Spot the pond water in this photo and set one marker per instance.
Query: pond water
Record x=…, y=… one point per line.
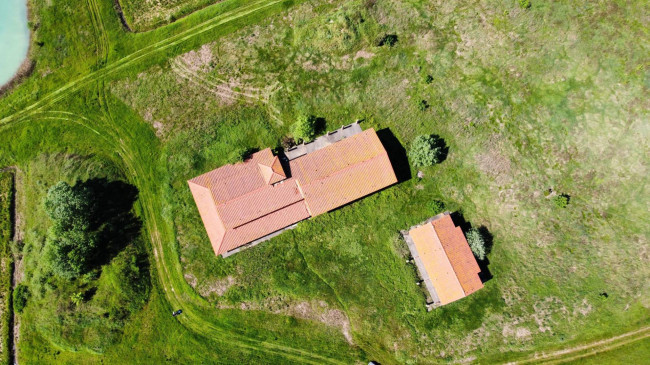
x=14, y=37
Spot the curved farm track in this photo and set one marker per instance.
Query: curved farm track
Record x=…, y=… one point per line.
x=586, y=350
x=140, y=165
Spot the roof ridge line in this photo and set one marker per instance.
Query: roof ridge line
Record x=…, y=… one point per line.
x=244, y=195
x=262, y=216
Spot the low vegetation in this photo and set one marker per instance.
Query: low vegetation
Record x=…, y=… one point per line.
x=304, y=129
x=476, y=243
x=85, y=271
x=146, y=15
x=561, y=200
x=6, y=262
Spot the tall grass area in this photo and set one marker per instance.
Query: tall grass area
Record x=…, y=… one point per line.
x=142, y=16
x=6, y=262
x=526, y=109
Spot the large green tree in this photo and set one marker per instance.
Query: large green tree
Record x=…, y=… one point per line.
x=71, y=241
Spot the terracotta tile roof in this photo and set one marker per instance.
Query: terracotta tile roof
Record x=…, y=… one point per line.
x=447, y=258
x=263, y=226
x=259, y=203
x=272, y=172
x=231, y=181
x=209, y=215
x=277, y=167
x=343, y=172
x=244, y=202
x=437, y=264
x=460, y=255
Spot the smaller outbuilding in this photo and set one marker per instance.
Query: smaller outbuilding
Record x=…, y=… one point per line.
x=444, y=260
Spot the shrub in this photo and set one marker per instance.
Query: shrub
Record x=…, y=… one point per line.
x=428, y=79
x=476, y=243
x=123, y=288
x=388, y=40
x=287, y=142
x=20, y=297
x=423, y=105
x=426, y=150
x=525, y=4
x=305, y=128
x=436, y=207
x=561, y=201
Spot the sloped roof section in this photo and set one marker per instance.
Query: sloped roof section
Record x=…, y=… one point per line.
x=265, y=225
x=259, y=203
x=460, y=255
x=273, y=172
x=343, y=172
x=232, y=181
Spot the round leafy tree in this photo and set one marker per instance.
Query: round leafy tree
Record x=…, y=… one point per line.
x=476, y=243
x=426, y=150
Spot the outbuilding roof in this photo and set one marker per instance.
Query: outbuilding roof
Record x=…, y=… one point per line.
x=444, y=259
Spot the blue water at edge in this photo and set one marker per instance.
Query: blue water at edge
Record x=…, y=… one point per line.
x=14, y=37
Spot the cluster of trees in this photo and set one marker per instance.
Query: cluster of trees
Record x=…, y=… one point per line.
x=95, y=273
x=91, y=221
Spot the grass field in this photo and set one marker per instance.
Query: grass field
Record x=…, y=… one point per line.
x=527, y=111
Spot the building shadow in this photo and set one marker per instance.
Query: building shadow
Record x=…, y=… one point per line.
x=459, y=221
x=396, y=154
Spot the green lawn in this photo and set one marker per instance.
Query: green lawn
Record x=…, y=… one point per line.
x=532, y=103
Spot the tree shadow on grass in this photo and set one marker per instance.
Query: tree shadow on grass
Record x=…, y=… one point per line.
x=396, y=154
x=113, y=217
x=460, y=221
x=444, y=149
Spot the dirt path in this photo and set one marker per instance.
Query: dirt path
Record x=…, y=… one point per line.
x=581, y=351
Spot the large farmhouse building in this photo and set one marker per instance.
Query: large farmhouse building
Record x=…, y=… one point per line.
x=444, y=260
x=249, y=202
